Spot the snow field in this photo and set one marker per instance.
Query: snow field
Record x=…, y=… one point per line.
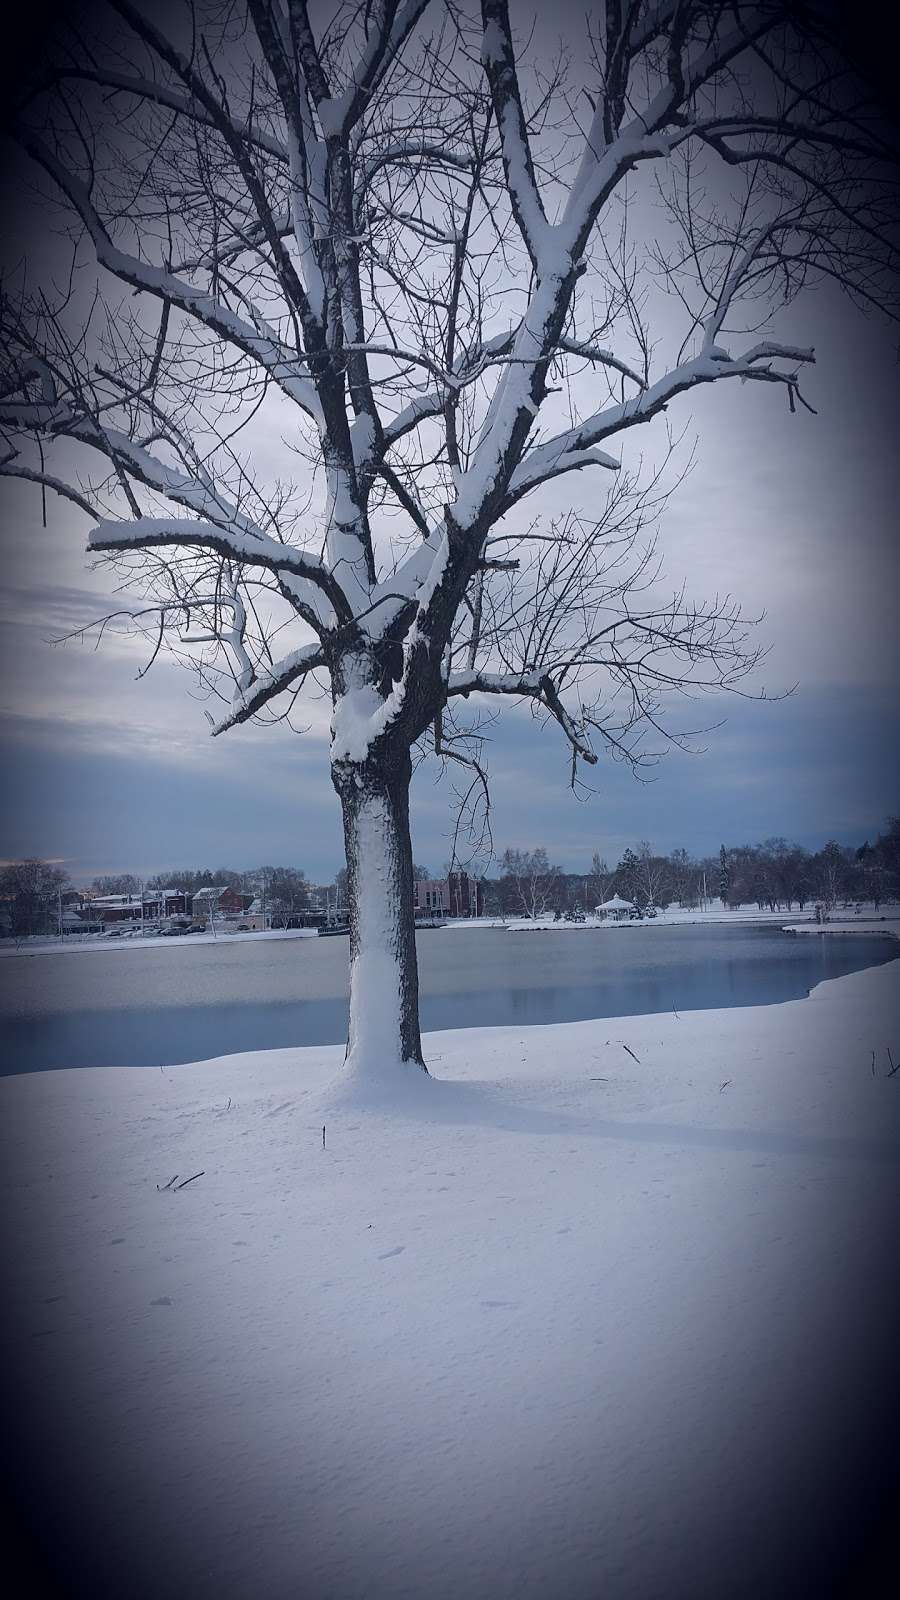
x=562, y=1323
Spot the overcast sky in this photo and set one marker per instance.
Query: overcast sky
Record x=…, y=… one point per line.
x=793, y=514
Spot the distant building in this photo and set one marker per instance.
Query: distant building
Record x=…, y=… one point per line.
x=218, y=901
x=465, y=895
x=431, y=897
x=161, y=903
x=458, y=895
x=113, y=908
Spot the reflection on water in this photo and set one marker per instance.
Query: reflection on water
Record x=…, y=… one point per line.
x=161, y=1006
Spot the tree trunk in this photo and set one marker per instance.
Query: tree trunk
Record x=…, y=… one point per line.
x=384, y=979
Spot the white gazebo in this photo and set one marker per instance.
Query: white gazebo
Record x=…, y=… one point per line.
x=614, y=910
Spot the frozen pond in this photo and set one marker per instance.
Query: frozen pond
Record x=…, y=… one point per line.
x=166, y=1004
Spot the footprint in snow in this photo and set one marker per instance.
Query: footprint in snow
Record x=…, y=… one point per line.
x=162, y=1301
x=397, y=1251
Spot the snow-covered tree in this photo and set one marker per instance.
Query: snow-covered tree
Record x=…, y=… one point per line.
x=383, y=251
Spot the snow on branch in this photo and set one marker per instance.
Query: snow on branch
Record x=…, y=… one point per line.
x=499, y=62
x=10, y=467
x=254, y=339
x=575, y=447
x=535, y=685
x=387, y=34
x=148, y=533
x=266, y=685
x=406, y=152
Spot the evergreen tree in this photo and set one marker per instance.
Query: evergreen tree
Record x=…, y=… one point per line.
x=724, y=875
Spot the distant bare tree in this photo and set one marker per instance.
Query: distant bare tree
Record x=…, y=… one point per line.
x=413, y=259
x=832, y=866
x=531, y=881
x=286, y=894
x=682, y=877
x=32, y=891
x=652, y=877
x=116, y=883
x=602, y=879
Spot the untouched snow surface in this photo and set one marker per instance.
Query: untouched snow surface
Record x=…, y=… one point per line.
x=604, y=1312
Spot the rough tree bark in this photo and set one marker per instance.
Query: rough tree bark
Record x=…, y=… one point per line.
x=384, y=978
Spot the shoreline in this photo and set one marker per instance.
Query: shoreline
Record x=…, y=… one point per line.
x=785, y=921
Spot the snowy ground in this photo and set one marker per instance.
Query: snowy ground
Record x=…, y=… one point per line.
x=605, y=1312
x=676, y=917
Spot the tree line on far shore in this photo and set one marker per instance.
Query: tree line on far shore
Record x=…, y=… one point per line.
x=773, y=874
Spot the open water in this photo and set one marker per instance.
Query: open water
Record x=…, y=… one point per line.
x=187, y=1002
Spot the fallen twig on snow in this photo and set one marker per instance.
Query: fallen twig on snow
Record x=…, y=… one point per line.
x=166, y=1185
x=188, y=1180
x=632, y=1054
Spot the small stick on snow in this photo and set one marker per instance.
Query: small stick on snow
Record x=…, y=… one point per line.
x=188, y=1180
x=166, y=1185
x=725, y=1084
x=323, y=1136
x=873, y=1063
x=632, y=1054
x=891, y=1060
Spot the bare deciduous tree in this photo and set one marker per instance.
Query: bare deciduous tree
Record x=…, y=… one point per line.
x=417, y=262
x=602, y=882
x=532, y=881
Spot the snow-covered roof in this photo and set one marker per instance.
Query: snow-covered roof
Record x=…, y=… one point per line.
x=616, y=904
